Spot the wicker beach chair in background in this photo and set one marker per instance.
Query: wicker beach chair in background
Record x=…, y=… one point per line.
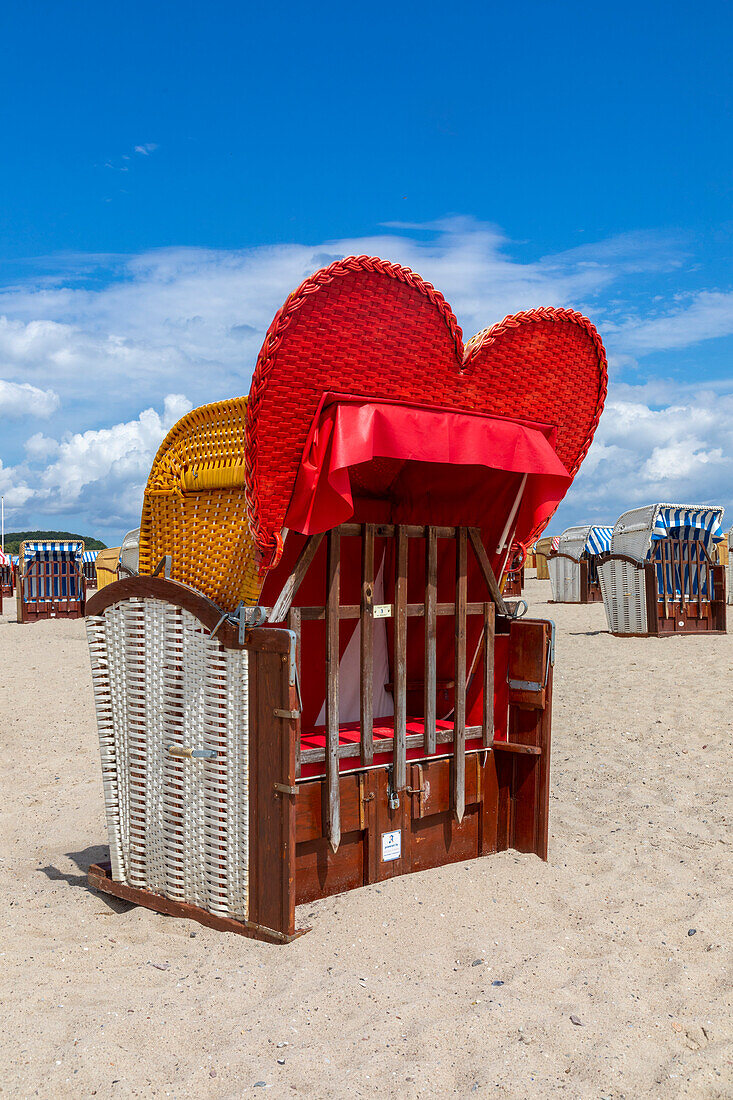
x=106, y=565
x=89, y=568
x=725, y=558
x=50, y=582
x=659, y=577
x=573, y=567
x=543, y=549
x=129, y=563
x=314, y=682
x=6, y=575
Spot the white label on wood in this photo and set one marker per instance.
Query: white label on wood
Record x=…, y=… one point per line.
x=391, y=846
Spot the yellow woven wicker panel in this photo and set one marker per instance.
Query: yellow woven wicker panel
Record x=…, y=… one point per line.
x=195, y=509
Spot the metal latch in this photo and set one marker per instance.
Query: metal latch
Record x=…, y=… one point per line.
x=290, y=714
x=392, y=795
x=514, y=609
x=248, y=617
x=283, y=788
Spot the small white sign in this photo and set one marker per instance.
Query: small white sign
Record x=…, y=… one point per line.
x=391, y=846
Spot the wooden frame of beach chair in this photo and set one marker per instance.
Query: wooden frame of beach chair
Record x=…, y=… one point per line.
x=728, y=566
x=50, y=583
x=573, y=567
x=319, y=691
x=659, y=577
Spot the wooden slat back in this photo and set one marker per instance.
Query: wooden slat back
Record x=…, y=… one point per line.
x=333, y=592
x=459, y=706
x=366, y=626
x=431, y=633
x=401, y=611
x=400, y=662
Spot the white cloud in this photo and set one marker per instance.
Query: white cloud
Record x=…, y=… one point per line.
x=681, y=453
x=146, y=149
x=201, y=315
x=704, y=316
x=100, y=473
x=112, y=334
x=21, y=399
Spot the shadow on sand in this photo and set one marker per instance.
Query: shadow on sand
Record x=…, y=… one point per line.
x=96, y=853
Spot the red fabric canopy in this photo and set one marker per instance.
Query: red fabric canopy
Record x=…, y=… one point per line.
x=378, y=451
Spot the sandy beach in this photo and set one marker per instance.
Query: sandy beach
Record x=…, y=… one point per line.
x=603, y=973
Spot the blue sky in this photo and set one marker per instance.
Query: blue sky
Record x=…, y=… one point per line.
x=170, y=172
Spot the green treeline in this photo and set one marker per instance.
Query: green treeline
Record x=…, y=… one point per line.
x=13, y=539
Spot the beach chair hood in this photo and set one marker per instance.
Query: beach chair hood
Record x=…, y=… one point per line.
x=366, y=405
x=635, y=531
x=367, y=329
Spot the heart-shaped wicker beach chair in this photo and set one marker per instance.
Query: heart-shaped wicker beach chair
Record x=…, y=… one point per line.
x=315, y=682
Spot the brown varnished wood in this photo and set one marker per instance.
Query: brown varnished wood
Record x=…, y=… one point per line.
x=322, y=872
x=295, y=625
x=400, y=662
x=333, y=820
x=489, y=805
x=412, y=610
x=508, y=746
x=309, y=816
x=173, y=592
x=440, y=839
x=271, y=813
x=527, y=660
x=99, y=877
x=609, y=555
x=366, y=658
x=487, y=730
x=431, y=633
x=459, y=706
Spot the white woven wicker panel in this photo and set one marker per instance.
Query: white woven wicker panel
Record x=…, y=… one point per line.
x=729, y=577
x=565, y=580
x=573, y=540
x=632, y=532
x=176, y=827
x=624, y=597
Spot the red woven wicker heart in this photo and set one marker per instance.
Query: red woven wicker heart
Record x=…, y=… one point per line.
x=374, y=329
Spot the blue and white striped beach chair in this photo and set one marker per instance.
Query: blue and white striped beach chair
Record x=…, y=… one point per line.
x=659, y=576
x=573, y=567
x=51, y=581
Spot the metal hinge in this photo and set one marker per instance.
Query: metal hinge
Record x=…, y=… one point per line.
x=525, y=685
x=164, y=567
x=283, y=788
x=291, y=714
